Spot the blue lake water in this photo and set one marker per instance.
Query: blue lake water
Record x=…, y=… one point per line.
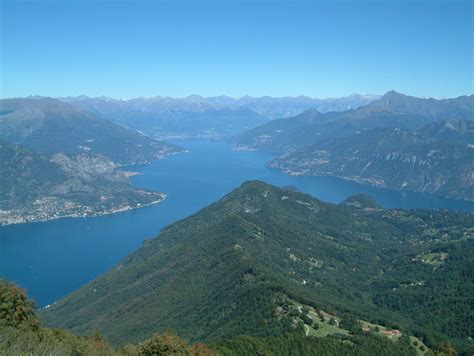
x=53, y=258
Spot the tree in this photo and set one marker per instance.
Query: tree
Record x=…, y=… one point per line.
x=15, y=307
x=306, y=319
x=321, y=315
x=200, y=349
x=351, y=323
x=166, y=344
x=446, y=349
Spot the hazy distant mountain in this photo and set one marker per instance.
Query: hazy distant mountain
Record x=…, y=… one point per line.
x=198, y=116
x=263, y=261
x=391, y=110
x=286, y=135
x=460, y=108
x=282, y=135
x=282, y=107
x=163, y=117
x=51, y=126
x=438, y=158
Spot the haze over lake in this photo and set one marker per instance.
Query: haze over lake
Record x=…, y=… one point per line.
x=53, y=258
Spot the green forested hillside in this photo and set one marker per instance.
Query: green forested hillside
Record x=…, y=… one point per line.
x=235, y=267
x=300, y=345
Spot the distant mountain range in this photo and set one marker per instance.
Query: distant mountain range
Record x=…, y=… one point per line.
x=391, y=110
x=282, y=107
x=165, y=117
x=396, y=141
x=57, y=160
x=264, y=261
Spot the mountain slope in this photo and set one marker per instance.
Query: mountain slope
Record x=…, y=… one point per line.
x=391, y=110
x=437, y=158
x=450, y=130
x=35, y=187
x=25, y=174
x=234, y=267
x=51, y=126
x=461, y=107
x=21, y=333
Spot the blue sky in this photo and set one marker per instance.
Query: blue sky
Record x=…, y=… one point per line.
x=177, y=48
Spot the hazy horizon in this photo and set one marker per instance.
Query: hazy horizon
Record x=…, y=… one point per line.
x=164, y=96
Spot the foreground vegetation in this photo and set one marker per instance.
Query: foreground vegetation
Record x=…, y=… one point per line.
x=21, y=333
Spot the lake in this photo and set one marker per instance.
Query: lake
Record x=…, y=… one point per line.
x=51, y=259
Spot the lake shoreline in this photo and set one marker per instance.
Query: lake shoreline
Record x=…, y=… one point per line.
x=368, y=182
x=85, y=215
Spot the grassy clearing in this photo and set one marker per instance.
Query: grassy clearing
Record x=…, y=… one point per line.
x=328, y=324
x=369, y=326
x=379, y=329
x=420, y=347
x=434, y=258
x=324, y=327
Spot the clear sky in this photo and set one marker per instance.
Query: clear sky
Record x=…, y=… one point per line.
x=177, y=48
